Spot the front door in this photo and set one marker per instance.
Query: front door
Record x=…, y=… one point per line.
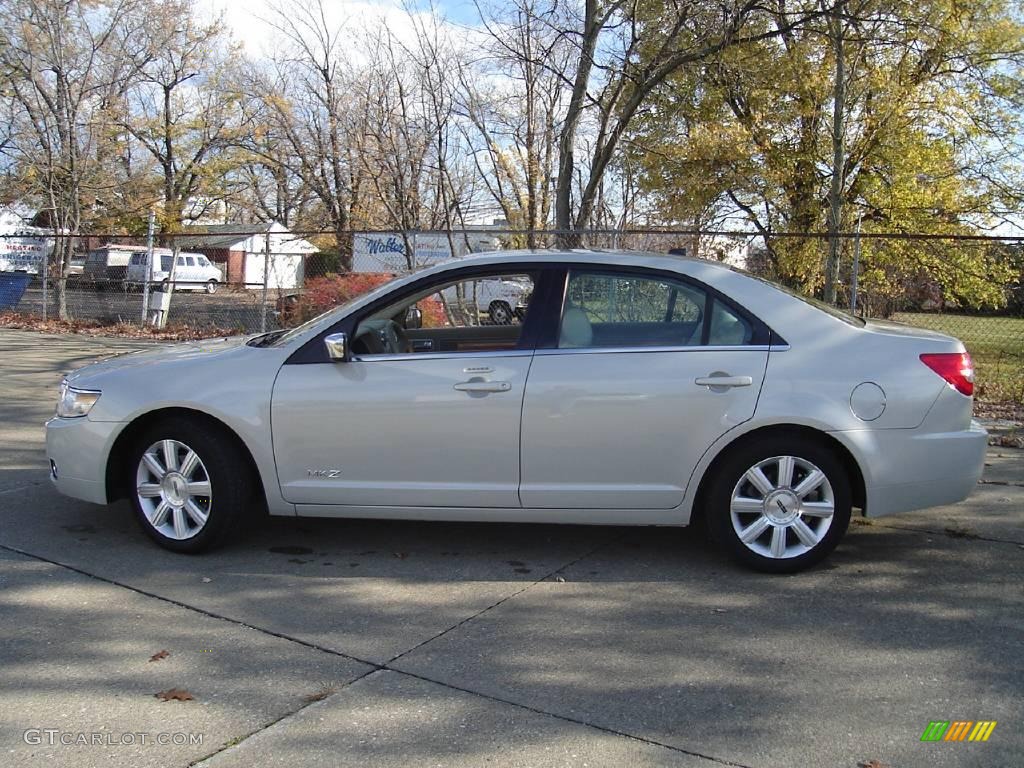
x=647, y=373
x=433, y=423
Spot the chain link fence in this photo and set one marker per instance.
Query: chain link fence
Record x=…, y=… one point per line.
x=240, y=279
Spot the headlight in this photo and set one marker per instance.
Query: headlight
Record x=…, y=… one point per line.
x=75, y=402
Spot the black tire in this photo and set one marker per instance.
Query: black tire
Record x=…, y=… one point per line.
x=733, y=468
x=211, y=286
x=232, y=481
x=165, y=285
x=500, y=313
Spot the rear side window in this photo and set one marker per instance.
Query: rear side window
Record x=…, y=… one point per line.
x=606, y=310
x=630, y=310
x=165, y=263
x=727, y=328
x=189, y=261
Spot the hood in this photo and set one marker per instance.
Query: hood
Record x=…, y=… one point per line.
x=158, y=355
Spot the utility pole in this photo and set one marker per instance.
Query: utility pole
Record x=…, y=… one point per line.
x=835, y=194
x=266, y=282
x=856, y=267
x=149, y=265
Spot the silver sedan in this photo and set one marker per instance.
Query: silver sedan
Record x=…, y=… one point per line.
x=631, y=389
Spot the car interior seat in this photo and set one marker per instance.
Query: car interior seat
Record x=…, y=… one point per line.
x=576, y=330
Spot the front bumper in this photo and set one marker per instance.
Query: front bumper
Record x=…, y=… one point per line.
x=77, y=450
x=906, y=469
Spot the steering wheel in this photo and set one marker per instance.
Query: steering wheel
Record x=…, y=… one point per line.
x=396, y=339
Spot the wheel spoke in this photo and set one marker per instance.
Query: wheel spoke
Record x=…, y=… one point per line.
x=159, y=516
x=197, y=515
x=759, y=481
x=785, y=472
x=741, y=505
x=809, y=483
x=778, y=542
x=755, y=529
x=180, y=526
x=199, y=488
x=170, y=451
x=149, y=490
x=817, y=508
x=153, y=465
x=803, y=532
x=189, y=465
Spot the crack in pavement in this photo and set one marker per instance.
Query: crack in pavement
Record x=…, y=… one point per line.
x=954, y=533
x=529, y=585
x=385, y=667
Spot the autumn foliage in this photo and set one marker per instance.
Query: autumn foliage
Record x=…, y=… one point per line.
x=332, y=290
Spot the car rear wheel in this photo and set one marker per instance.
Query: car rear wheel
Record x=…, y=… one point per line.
x=211, y=286
x=779, y=505
x=189, y=485
x=500, y=313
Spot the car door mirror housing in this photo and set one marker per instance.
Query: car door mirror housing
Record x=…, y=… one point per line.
x=413, y=318
x=336, y=345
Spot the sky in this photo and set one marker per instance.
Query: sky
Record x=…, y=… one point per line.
x=247, y=18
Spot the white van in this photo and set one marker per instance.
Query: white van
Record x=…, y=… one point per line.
x=192, y=272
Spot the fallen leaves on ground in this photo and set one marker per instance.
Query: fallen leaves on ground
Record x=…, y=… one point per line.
x=320, y=695
x=173, y=332
x=174, y=694
x=873, y=764
x=159, y=655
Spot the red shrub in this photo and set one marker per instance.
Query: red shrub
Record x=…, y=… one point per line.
x=323, y=293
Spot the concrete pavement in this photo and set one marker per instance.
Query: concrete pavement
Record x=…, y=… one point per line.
x=392, y=643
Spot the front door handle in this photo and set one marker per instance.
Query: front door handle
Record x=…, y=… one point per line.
x=723, y=381
x=483, y=386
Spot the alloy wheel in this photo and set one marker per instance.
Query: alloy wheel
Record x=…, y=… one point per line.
x=173, y=489
x=782, y=507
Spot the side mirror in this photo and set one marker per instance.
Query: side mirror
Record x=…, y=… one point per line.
x=413, y=318
x=337, y=347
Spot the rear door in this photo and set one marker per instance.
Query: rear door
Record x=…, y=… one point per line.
x=646, y=370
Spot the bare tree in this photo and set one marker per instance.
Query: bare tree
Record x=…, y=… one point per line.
x=514, y=99
x=66, y=61
x=304, y=96
x=182, y=112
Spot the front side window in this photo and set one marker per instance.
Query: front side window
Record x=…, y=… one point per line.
x=165, y=263
x=628, y=310
x=478, y=314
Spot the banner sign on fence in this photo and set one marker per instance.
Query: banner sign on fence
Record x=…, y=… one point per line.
x=22, y=248
x=386, y=251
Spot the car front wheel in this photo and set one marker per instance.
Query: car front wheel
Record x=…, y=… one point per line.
x=189, y=485
x=211, y=286
x=779, y=505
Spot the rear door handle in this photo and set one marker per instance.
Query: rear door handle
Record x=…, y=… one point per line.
x=483, y=386
x=724, y=381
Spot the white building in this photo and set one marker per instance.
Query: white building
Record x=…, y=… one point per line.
x=246, y=251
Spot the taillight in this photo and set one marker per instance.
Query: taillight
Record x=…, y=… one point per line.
x=955, y=367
